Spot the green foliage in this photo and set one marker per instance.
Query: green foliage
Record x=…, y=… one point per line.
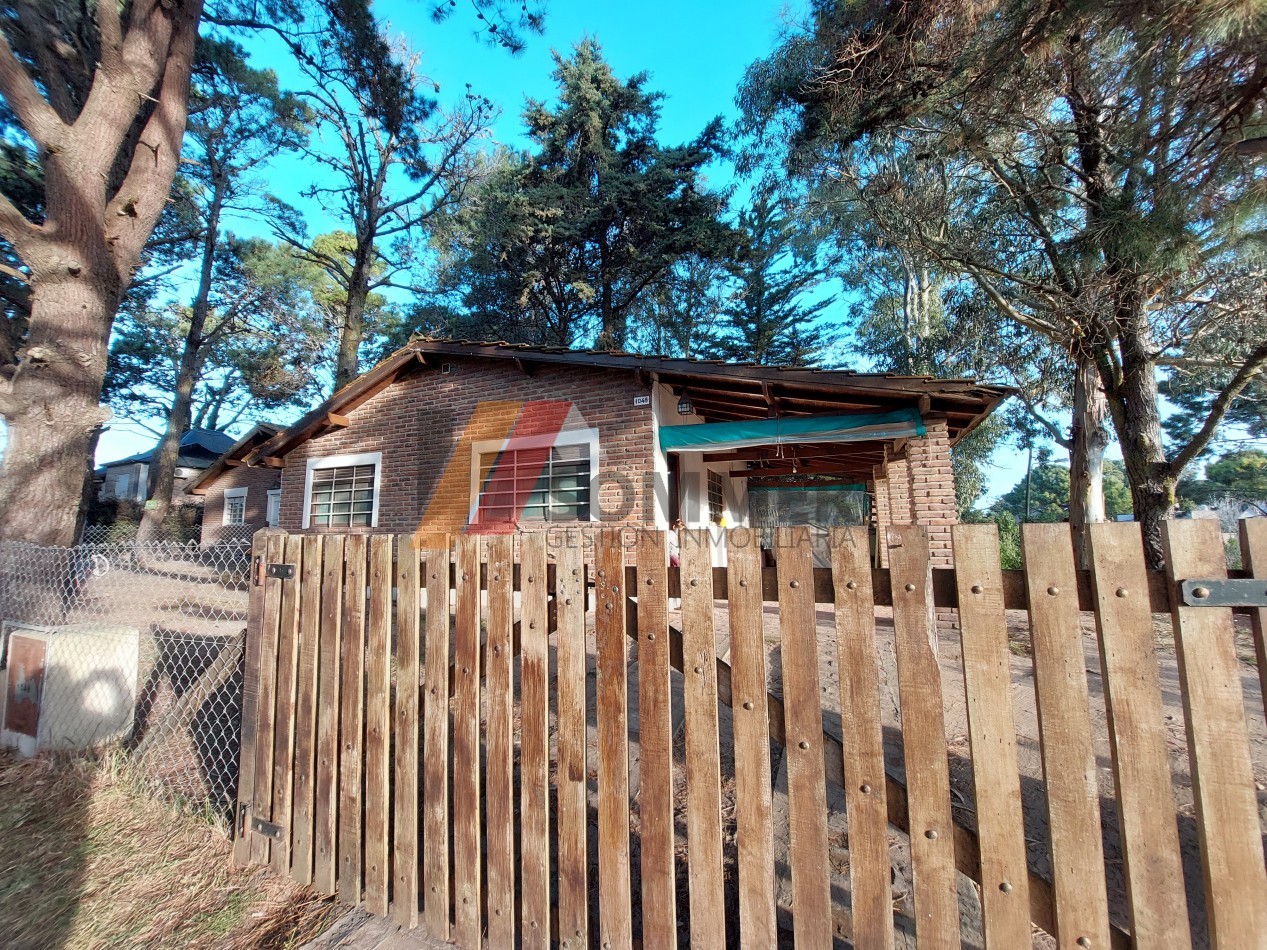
x=1021, y=149
x=1048, y=494
x=261, y=352
x=1240, y=477
x=767, y=317
x=565, y=243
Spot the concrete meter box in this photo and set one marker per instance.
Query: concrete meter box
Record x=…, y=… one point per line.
x=67, y=687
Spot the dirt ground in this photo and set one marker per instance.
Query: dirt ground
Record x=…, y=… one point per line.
x=88, y=859
x=1029, y=762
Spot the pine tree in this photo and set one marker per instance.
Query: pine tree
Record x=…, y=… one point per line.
x=573, y=236
x=772, y=317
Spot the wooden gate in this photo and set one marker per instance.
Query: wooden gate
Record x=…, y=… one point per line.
x=526, y=738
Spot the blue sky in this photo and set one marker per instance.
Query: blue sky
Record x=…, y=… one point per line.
x=696, y=53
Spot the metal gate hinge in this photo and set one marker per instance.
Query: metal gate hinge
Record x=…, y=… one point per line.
x=281, y=571
x=1224, y=592
x=266, y=828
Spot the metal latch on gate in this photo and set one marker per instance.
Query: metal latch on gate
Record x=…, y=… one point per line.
x=266, y=828
x=1224, y=592
x=281, y=571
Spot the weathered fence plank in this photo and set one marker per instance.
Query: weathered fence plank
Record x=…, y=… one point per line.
x=378, y=719
x=614, y=915
x=1253, y=536
x=1064, y=728
x=573, y=820
x=283, y=783
x=255, y=773
x=499, y=778
x=703, y=767
x=405, y=797
x=987, y=678
x=326, y=791
x=467, y=930
x=1218, y=744
x=807, y=790
x=923, y=740
x=753, y=805
x=352, y=721
x=534, y=743
x=866, y=803
x=435, y=808
x=303, y=812
x=655, y=723
x=1137, y=738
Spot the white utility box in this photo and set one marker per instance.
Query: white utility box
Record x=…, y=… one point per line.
x=67, y=687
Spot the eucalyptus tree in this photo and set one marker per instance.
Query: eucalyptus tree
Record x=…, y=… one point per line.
x=1084, y=175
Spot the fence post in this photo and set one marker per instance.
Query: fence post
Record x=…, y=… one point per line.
x=261, y=544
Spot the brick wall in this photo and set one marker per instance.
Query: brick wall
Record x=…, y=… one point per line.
x=425, y=423
x=880, y=493
x=257, y=480
x=899, y=479
x=933, y=489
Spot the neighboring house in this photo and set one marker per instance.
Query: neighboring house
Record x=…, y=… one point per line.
x=443, y=435
x=239, y=500
x=131, y=479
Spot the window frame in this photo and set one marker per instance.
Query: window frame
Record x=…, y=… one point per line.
x=547, y=440
x=224, y=507
x=343, y=461
x=269, y=496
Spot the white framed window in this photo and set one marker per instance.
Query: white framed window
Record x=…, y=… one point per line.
x=716, y=496
x=341, y=491
x=122, y=482
x=543, y=479
x=235, y=506
x=273, y=513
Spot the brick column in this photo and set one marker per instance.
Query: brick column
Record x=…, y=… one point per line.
x=933, y=490
x=933, y=500
x=899, y=478
x=880, y=497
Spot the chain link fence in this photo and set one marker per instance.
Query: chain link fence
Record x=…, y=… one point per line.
x=135, y=646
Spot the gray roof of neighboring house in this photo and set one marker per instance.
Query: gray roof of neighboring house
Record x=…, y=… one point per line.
x=199, y=448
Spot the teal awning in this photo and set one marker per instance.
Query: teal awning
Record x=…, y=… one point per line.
x=793, y=430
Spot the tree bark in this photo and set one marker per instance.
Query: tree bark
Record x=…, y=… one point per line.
x=107, y=178
x=53, y=408
x=1136, y=414
x=1090, y=439
x=347, y=362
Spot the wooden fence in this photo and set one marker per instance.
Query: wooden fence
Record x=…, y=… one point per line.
x=418, y=736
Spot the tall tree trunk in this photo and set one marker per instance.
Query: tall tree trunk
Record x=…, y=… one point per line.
x=347, y=362
x=107, y=176
x=163, y=469
x=1090, y=439
x=53, y=408
x=1137, y=421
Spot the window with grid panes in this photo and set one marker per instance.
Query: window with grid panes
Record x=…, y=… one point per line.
x=342, y=497
x=235, y=506
x=548, y=483
x=716, y=497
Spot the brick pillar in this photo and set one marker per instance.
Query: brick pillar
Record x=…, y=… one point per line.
x=880, y=496
x=933, y=499
x=899, y=478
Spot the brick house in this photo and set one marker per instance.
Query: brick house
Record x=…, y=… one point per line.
x=446, y=434
x=239, y=499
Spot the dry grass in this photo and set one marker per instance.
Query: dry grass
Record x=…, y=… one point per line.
x=88, y=859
